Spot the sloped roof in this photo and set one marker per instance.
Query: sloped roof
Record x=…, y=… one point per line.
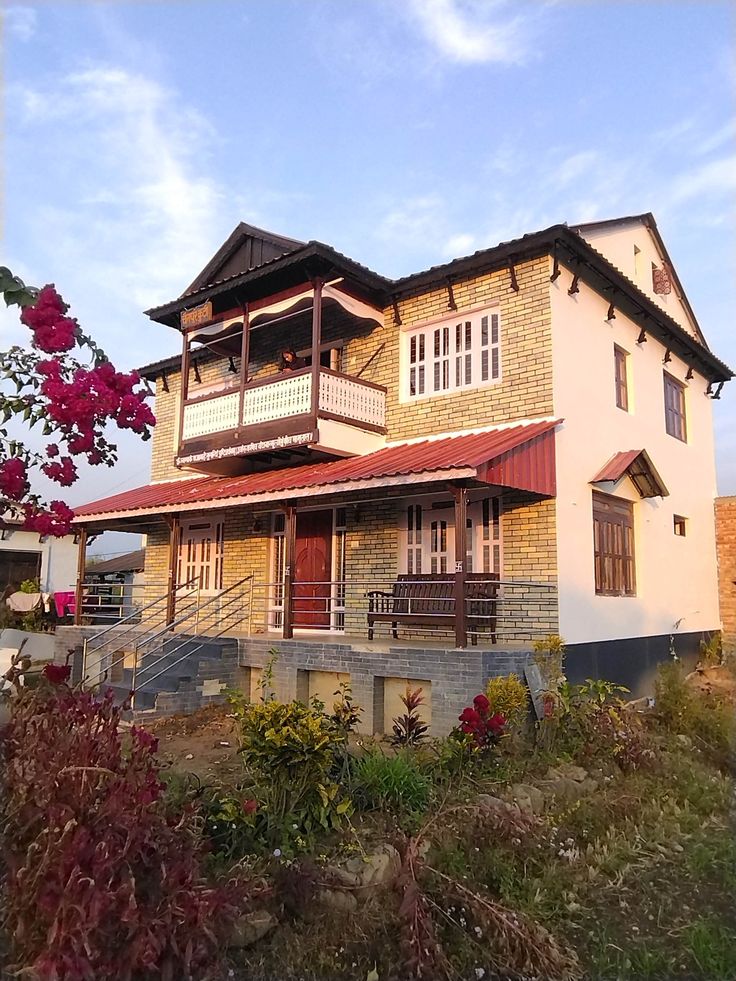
x=247, y=247
x=494, y=456
x=130, y=562
x=637, y=464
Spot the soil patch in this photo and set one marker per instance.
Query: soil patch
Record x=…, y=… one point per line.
x=204, y=743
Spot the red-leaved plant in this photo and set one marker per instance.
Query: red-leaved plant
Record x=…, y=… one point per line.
x=410, y=729
x=102, y=880
x=480, y=724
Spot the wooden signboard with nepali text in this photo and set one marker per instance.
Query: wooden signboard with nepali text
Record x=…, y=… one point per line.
x=197, y=315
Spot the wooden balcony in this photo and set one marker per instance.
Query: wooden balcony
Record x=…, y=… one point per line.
x=275, y=418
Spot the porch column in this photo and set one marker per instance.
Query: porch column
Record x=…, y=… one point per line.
x=316, y=342
x=460, y=494
x=290, y=545
x=184, y=383
x=244, y=359
x=79, y=586
x=174, y=522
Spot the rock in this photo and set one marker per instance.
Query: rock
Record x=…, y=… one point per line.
x=565, y=788
x=366, y=875
x=530, y=799
x=189, y=756
x=338, y=899
x=568, y=770
x=251, y=928
x=488, y=800
x=685, y=741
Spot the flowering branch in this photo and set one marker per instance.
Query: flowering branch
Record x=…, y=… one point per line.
x=72, y=400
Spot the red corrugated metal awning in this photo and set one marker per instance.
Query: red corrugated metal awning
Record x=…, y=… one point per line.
x=638, y=466
x=520, y=456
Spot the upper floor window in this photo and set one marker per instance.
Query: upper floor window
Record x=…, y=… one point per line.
x=462, y=353
x=674, y=408
x=620, y=358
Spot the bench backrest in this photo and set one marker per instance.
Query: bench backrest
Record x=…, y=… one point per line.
x=433, y=593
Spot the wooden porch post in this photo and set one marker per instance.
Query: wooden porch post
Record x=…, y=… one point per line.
x=316, y=343
x=174, y=522
x=460, y=493
x=79, y=586
x=290, y=542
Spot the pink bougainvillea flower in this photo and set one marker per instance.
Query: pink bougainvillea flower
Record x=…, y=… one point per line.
x=64, y=472
x=57, y=674
x=13, y=478
x=56, y=521
x=52, y=331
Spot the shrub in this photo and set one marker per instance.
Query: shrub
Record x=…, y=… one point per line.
x=711, y=650
x=345, y=713
x=395, y=783
x=549, y=656
x=681, y=708
x=409, y=729
x=101, y=879
x=291, y=749
x=481, y=725
x=508, y=696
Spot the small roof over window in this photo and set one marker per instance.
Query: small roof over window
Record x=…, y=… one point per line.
x=637, y=465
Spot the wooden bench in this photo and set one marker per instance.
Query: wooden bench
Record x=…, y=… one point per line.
x=428, y=600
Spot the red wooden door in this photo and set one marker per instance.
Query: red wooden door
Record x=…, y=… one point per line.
x=312, y=569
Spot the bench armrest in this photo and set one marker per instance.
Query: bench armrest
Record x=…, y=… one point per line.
x=379, y=601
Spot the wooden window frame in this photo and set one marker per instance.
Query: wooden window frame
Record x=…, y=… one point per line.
x=679, y=525
x=675, y=410
x=614, y=555
x=621, y=371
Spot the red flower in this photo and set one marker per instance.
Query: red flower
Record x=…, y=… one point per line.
x=13, y=478
x=52, y=331
x=482, y=704
x=56, y=521
x=52, y=450
x=470, y=716
x=64, y=472
x=250, y=806
x=144, y=739
x=57, y=674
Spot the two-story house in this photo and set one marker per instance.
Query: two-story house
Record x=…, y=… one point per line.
x=416, y=478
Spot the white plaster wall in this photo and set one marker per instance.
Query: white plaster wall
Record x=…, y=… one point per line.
x=58, y=558
x=616, y=242
x=676, y=578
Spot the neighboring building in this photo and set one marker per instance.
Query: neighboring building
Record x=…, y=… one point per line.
x=118, y=582
x=726, y=543
x=23, y=555
x=525, y=431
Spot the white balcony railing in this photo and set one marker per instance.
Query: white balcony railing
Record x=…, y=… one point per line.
x=290, y=396
x=352, y=399
x=339, y=395
x=213, y=415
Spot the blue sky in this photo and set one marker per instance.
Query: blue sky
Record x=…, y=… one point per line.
x=403, y=132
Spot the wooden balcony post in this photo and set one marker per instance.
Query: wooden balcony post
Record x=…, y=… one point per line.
x=81, y=565
x=460, y=494
x=290, y=542
x=244, y=362
x=316, y=344
x=184, y=393
x=174, y=522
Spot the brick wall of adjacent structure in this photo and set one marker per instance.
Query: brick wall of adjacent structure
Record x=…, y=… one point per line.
x=524, y=390
x=726, y=547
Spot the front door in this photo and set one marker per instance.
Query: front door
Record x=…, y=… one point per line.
x=313, y=569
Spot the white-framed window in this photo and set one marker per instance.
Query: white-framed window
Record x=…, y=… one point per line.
x=428, y=537
x=453, y=354
x=201, y=555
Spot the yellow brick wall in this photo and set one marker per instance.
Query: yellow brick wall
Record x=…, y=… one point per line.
x=726, y=546
x=524, y=391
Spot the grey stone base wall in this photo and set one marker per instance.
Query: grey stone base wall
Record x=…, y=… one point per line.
x=457, y=676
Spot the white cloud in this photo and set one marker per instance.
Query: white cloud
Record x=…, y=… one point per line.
x=459, y=245
x=472, y=31
x=415, y=222
x=716, y=178
x=20, y=22
x=139, y=218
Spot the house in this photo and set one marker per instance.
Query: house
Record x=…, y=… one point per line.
x=118, y=582
x=24, y=555
x=417, y=478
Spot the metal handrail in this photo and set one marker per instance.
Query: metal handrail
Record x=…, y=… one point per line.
x=137, y=613
x=188, y=640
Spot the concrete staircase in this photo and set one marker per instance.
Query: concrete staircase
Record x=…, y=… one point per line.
x=195, y=672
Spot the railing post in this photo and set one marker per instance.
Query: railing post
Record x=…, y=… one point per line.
x=289, y=559
x=79, y=586
x=244, y=363
x=174, y=541
x=460, y=494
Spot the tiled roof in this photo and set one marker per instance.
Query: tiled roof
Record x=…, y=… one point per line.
x=494, y=456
